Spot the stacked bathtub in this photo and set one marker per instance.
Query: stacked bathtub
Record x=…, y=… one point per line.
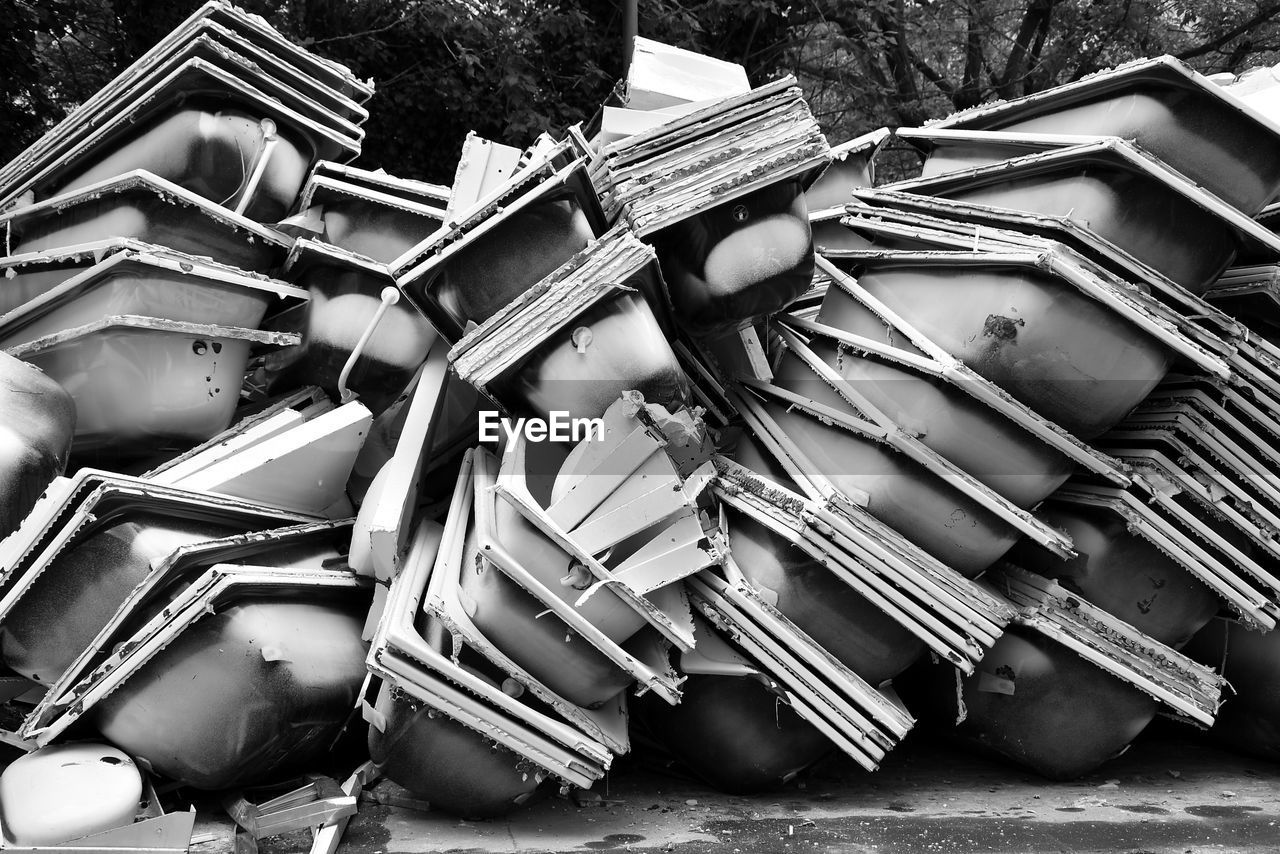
x=990, y=455
x=1070, y=247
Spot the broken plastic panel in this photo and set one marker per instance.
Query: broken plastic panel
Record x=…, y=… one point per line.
x=372, y=214
x=495, y=520
x=155, y=282
x=1251, y=294
x=144, y=207
x=137, y=380
x=303, y=469
x=954, y=618
x=1123, y=195
x=489, y=254
x=307, y=546
x=720, y=193
x=413, y=655
x=617, y=516
x=1177, y=114
x=578, y=339
x=347, y=297
x=447, y=600
x=978, y=221
x=316, y=804
x=263, y=421
x=840, y=439
x=37, y=429
x=1018, y=319
x=661, y=75
x=1191, y=690
x=852, y=165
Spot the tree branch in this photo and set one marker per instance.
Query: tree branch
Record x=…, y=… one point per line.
x=1262, y=17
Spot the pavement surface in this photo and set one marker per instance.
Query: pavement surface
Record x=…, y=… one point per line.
x=1167, y=795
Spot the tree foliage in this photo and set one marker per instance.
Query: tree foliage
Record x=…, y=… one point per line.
x=510, y=69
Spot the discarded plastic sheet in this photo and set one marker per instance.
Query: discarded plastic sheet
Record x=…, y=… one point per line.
x=956, y=619
x=278, y=414
x=790, y=411
x=142, y=206
x=137, y=380
x=1136, y=202
x=201, y=752
x=318, y=803
x=1176, y=537
x=937, y=362
x=484, y=167
x=384, y=522
x=487, y=255
x=309, y=546
x=978, y=221
x=1191, y=690
x=661, y=75
x=447, y=601
x=166, y=834
x=420, y=666
x=652, y=672
x=646, y=527
x=862, y=721
x=579, y=338
x=852, y=165
x=1177, y=114
x=304, y=469
x=156, y=282
x=1018, y=319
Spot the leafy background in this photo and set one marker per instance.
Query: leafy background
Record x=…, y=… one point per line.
x=510, y=69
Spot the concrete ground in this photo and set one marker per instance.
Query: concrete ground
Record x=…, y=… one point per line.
x=1167, y=795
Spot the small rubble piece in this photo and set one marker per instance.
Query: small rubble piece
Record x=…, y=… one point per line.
x=67, y=791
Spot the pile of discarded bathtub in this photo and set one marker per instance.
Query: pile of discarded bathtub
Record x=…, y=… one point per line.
x=593, y=446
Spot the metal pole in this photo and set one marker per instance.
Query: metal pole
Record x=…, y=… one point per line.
x=630, y=29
